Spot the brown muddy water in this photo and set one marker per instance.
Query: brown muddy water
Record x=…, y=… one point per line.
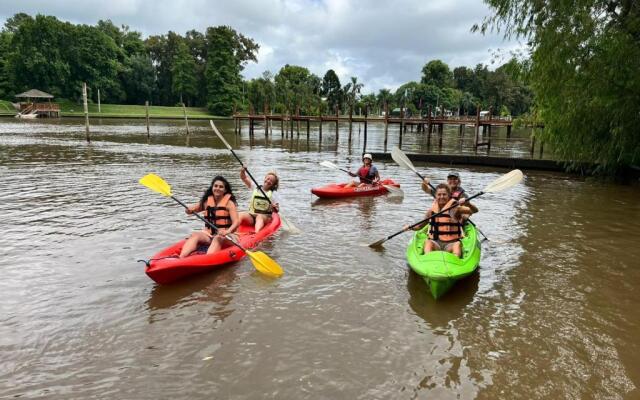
x=552, y=313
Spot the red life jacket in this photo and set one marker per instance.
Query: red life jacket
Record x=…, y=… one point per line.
x=456, y=195
x=218, y=214
x=366, y=174
x=443, y=227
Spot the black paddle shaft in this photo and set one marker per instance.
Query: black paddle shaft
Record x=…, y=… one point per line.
x=209, y=224
x=250, y=176
x=433, y=216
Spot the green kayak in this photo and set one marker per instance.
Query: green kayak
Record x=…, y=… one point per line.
x=441, y=269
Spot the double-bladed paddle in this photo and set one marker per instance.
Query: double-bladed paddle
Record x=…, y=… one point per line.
x=262, y=262
x=392, y=189
x=402, y=160
x=286, y=224
x=502, y=183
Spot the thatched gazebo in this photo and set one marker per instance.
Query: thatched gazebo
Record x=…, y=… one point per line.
x=33, y=108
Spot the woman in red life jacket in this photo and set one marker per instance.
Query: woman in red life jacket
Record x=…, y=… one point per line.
x=368, y=173
x=219, y=205
x=445, y=231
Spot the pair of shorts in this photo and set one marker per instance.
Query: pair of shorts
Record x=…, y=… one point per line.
x=444, y=245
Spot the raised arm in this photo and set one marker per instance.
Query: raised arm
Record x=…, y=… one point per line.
x=245, y=178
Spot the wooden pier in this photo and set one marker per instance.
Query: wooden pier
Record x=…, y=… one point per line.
x=432, y=125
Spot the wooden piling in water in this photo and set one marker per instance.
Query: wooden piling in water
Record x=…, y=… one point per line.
x=146, y=111
x=337, y=123
x=86, y=111
x=186, y=121
x=401, y=126
x=350, y=122
x=99, y=108
x=386, y=124
x=366, y=114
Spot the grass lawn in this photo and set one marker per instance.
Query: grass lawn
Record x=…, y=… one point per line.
x=6, y=108
x=71, y=109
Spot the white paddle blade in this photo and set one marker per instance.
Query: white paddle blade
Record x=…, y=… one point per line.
x=213, y=126
x=329, y=164
x=394, y=191
x=401, y=159
x=505, y=181
x=288, y=226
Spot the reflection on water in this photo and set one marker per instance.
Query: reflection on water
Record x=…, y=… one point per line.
x=552, y=312
x=439, y=314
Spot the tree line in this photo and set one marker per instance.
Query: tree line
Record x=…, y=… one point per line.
x=205, y=69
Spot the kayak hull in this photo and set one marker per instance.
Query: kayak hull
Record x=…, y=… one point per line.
x=165, y=267
x=440, y=269
x=338, y=190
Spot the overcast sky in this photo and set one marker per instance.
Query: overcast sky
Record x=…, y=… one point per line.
x=385, y=43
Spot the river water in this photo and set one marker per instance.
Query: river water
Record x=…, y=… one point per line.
x=552, y=313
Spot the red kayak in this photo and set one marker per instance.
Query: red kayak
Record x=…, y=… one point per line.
x=336, y=190
x=165, y=266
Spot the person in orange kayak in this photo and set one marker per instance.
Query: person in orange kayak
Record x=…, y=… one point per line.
x=219, y=205
x=445, y=231
x=260, y=209
x=368, y=173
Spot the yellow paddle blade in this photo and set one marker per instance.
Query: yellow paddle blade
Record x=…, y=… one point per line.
x=265, y=264
x=155, y=183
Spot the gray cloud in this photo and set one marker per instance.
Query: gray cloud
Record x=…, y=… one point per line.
x=383, y=43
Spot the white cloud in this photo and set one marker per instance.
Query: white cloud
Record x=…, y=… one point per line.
x=384, y=43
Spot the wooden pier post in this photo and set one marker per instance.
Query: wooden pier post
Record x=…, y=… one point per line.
x=298, y=120
x=99, y=108
x=282, y=126
x=366, y=114
x=440, y=135
x=266, y=121
x=308, y=128
x=429, y=127
x=320, y=126
x=186, y=121
x=350, y=122
x=86, y=112
x=477, y=128
x=401, y=126
x=146, y=110
x=386, y=124
x=508, y=131
x=337, y=123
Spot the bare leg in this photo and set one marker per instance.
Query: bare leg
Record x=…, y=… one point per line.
x=216, y=244
x=192, y=243
x=430, y=245
x=245, y=218
x=351, y=184
x=455, y=248
x=261, y=221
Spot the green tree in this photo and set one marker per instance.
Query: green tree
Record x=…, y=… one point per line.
x=352, y=90
x=138, y=79
x=585, y=57
x=184, y=79
x=332, y=89
x=437, y=73
x=222, y=71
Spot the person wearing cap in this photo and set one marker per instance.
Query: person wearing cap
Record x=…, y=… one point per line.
x=368, y=173
x=260, y=207
x=457, y=192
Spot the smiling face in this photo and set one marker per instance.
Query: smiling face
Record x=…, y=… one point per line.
x=366, y=161
x=453, y=182
x=218, y=188
x=270, y=181
x=442, y=197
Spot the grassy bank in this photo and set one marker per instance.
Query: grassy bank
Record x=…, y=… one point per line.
x=73, y=109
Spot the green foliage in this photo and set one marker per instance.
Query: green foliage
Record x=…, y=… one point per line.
x=222, y=72
x=437, y=73
x=332, y=89
x=584, y=72
x=184, y=78
x=296, y=87
x=351, y=91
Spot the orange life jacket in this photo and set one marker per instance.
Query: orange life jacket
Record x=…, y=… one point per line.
x=218, y=214
x=443, y=227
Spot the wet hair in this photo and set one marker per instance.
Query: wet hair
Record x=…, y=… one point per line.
x=209, y=191
x=275, y=185
x=445, y=187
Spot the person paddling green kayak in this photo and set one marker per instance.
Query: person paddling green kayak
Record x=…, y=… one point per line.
x=445, y=230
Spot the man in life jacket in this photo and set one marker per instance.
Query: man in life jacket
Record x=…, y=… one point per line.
x=445, y=231
x=457, y=192
x=260, y=207
x=367, y=173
